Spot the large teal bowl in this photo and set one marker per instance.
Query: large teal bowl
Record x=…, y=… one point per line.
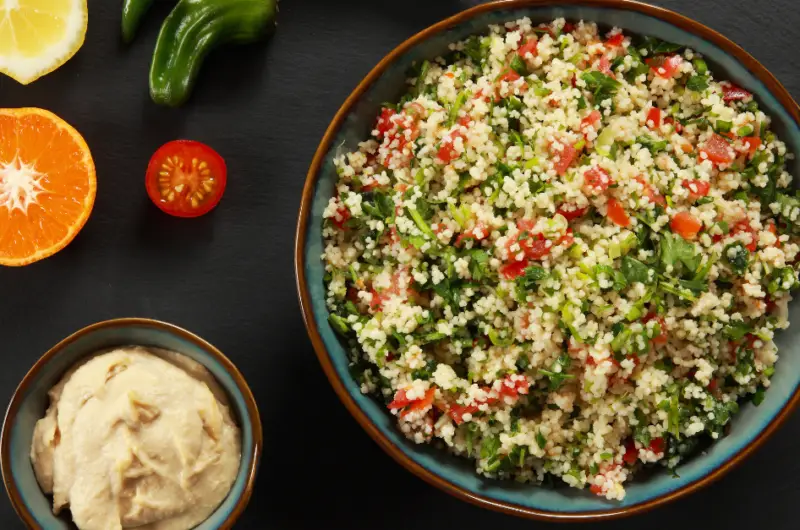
x=30, y=402
x=353, y=123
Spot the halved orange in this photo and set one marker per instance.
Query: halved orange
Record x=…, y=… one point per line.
x=47, y=185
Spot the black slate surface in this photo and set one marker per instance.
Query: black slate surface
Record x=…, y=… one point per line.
x=229, y=276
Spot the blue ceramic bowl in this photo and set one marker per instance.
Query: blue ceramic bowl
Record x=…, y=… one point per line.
x=353, y=124
x=30, y=401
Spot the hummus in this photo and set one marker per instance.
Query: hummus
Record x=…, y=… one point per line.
x=137, y=438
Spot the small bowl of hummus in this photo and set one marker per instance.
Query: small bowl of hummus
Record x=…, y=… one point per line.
x=131, y=423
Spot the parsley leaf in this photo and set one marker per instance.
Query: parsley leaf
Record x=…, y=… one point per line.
x=636, y=271
x=602, y=86
x=697, y=83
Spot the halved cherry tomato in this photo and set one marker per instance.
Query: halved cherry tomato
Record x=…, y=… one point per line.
x=654, y=117
x=570, y=212
x=615, y=40
x=685, y=225
x=596, y=180
x=731, y=92
x=717, y=150
x=566, y=155
x=665, y=66
x=650, y=192
x=616, y=213
x=591, y=120
x=697, y=188
x=186, y=178
x=532, y=47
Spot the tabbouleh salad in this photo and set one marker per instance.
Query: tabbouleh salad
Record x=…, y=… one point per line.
x=564, y=253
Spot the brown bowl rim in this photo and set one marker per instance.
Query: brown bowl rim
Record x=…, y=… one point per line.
x=5, y=438
x=671, y=17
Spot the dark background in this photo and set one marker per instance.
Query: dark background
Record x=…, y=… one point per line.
x=229, y=276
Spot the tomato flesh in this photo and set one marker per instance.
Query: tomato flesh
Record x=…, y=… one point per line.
x=654, y=118
x=615, y=40
x=717, y=150
x=731, y=92
x=530, y=47
x=665, y=67
x=186, y=178
x=566, y=155
x=685, y=225
x=596, y=180
x=570, y=211
x=616, y=212
x=697, y=188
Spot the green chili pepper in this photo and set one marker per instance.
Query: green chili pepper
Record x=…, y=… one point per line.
x=193, y=29
x=133, y=11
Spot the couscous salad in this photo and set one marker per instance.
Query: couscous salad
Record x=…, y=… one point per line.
x=564, y=254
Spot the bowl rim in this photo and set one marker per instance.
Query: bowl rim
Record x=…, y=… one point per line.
x=687, y=24
x=252, y=409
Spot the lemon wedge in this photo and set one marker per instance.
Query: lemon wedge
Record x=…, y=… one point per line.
x=38, y=36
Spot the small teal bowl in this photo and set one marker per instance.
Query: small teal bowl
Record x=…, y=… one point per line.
x=750, y=428
x=30, y=402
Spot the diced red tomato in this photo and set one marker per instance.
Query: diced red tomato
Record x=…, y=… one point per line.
x=531, y=47
x=376, y=302
x=509, y=75
x=513, y=269
x=631, y=453
x=597, y=490
x=341, y=217
x=464, y=121
x=457, y=412
x=685, y=224
x=752, y=143
x=400, y=400
x=385, y=123
x=604, y=66
x=447, y=150
x=421, y=404
x=665, y=66
x=535, y=246
x=650, y=192
x=570, y=212
x=731, y=92
x=654, y=116
x=658, y=445
x=616, y=213
x=615, y=40
x=712, y=386
x=566, y=154
x=717, y=150
x=567, y=239
x=697, y=188
x=591, y=120
x=478, y=233
x=596, y=180
x=569, y=27
x=661, y=338
x=669, y=120
x=744, y=226
x=513, y=386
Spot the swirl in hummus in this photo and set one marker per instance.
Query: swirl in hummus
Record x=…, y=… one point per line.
x=137, y=438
